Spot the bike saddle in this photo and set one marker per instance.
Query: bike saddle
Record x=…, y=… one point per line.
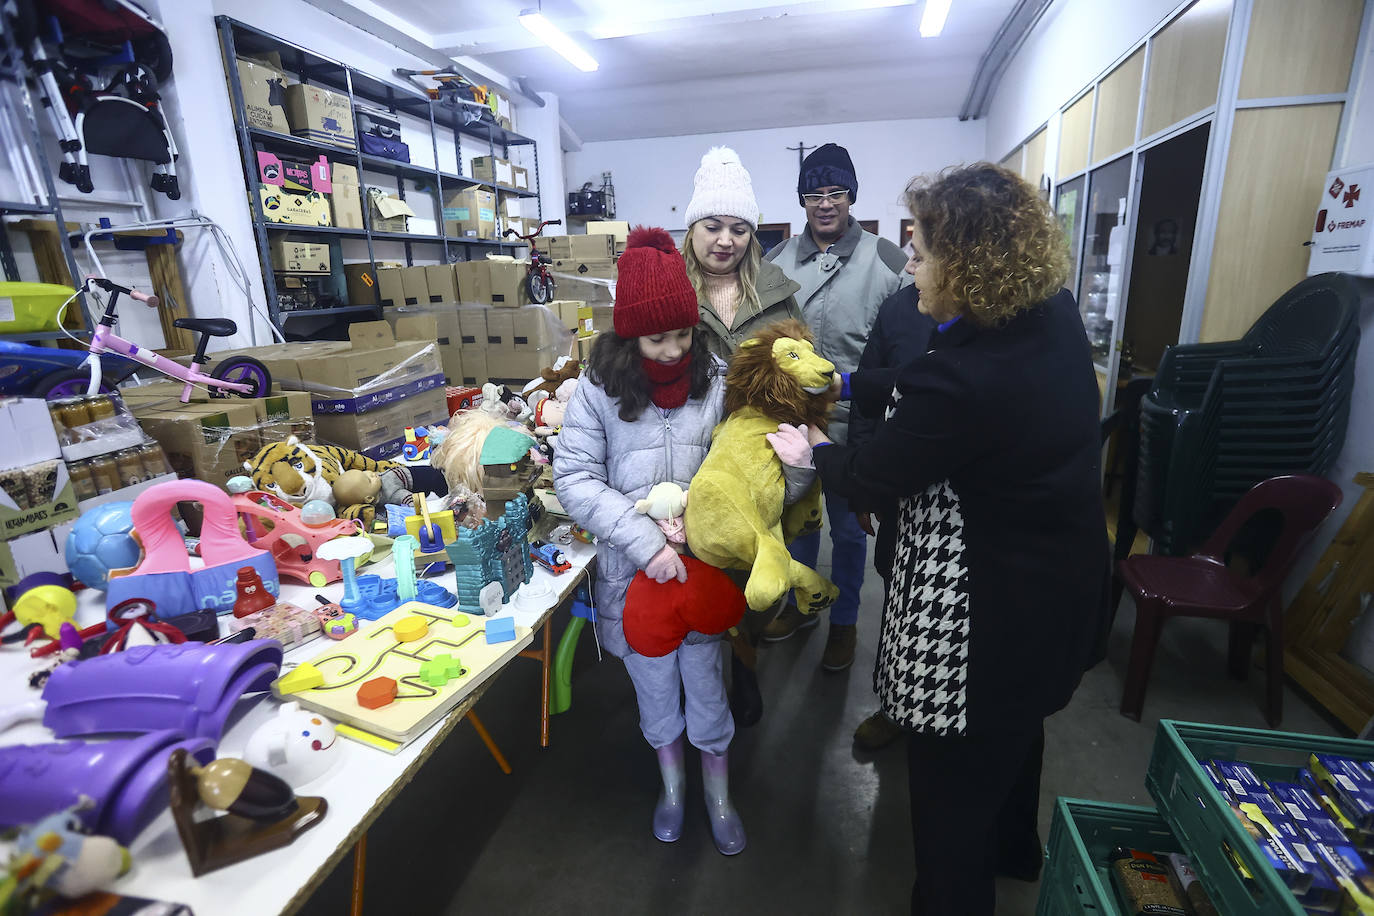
x=215, y=327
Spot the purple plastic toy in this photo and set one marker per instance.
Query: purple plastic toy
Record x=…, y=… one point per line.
x=190, y=687
x=125, y=780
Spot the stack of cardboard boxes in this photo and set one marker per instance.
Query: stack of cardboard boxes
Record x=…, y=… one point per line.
x=36, y=491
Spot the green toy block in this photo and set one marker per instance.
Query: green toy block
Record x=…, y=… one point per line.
x=441, y=669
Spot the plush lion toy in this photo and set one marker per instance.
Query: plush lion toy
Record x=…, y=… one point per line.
x=736, y=518
x=299, y=473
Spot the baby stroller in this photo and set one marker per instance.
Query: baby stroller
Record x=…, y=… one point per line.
x=98, y=65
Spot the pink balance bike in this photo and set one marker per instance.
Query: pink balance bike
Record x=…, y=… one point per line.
x=234, y=375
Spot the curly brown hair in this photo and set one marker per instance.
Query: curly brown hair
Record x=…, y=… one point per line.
x=755, y=380
x=997, y=247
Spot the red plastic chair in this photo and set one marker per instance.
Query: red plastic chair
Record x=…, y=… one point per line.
x=1202, y=586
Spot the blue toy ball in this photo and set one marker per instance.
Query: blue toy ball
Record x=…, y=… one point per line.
x=102, y=540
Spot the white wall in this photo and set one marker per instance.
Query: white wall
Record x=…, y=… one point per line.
x=1071, y=44
x=653, y=176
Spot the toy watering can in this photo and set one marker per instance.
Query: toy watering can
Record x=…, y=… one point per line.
x=165, y=576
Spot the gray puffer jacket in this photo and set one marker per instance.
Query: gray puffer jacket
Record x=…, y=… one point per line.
x=603, y=464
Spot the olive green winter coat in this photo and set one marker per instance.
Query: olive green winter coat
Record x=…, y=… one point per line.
x=775, y=304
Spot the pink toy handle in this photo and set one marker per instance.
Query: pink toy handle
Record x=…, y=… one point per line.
x=164, y=548
x=147, y=299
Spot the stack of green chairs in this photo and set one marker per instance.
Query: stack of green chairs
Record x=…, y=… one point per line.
x=1221, y=417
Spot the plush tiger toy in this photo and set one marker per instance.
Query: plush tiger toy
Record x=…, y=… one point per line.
x=298, y=473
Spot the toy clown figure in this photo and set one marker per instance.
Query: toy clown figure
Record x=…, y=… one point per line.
x=642, y=416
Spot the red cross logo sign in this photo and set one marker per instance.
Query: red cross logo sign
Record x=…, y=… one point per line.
x=1352, y=194
x=1335, y=190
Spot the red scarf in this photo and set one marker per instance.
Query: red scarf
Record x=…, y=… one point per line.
x=669, y=385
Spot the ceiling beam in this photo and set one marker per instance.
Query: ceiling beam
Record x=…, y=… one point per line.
x=1003, y=47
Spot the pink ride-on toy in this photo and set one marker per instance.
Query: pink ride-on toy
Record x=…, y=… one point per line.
x=240, y=375
x=273, y=524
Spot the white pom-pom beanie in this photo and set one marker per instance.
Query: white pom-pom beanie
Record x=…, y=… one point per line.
x=722, y=188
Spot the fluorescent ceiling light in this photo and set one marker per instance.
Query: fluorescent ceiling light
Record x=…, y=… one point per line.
x=552, y=36
x=933, y=17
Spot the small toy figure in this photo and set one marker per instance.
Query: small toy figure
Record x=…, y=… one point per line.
x=252, y=596
x=416, y=447
x=295, y=745
x=335, y=622
x=549, y=557
x=54, y=857
x=666, y=503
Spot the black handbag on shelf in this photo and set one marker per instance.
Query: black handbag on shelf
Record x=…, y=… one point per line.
x=379, y=146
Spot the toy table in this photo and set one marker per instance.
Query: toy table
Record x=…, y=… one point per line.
x=359, y=788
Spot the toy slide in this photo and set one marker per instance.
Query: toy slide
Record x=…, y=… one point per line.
x=404, y=672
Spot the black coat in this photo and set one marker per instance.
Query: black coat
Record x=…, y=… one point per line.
x=997, y=602
x=900, y=334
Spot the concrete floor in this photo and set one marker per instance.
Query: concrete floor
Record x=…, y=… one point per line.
x=828, y=826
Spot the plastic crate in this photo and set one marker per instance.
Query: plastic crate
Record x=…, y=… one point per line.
x=31, y=306
x=1202, y=819
x=1076, y=878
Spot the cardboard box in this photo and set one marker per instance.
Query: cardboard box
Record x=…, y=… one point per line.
x=295, y=174
x=470, y=213
x=27, y=431
x=594, y=318
x=494, y=169
x=442, y=280
x=279, y=414
x=299, y=257
x=309, y=208
x=474, y=281
x=584, y=346
x=567, y=312
x=521, y=177
x=346, y=199
x=475, y=367
x=534, y=327
x=506, y=364
x=389, y=213
x=472, y=327
x=30, y=553
x=208, y=441
x=593, y=268
x=373, y=359
x=581, y=248
x=380, y=433
x=319, y=114
x=505, y=112
x=414, y=286
x=618, y=229
x=264, y=96
x=390, y=289
x=500, y=329
x=442, y=324
x=58, y=501
x=585, y=291
x=361, y=283
x=507, y=278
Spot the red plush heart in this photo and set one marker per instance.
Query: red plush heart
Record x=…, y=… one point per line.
x=658, y=616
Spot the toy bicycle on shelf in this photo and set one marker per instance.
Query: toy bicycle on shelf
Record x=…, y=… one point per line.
x=538, y=280
x=240, y=375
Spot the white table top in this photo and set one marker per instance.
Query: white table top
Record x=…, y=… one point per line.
x=358, y=788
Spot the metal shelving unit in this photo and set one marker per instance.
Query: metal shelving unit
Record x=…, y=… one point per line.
x=237, y=38
x=13, y=74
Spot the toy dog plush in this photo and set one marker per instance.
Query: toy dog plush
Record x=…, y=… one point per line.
x=736, y=518
x=299, y=473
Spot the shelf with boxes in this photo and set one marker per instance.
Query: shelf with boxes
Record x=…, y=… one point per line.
x=325, y=161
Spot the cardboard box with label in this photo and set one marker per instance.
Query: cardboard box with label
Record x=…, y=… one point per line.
x=32, y=467
x=494, y=169
x=380, y=433
x=566, y=310
x=510, y=365
x=307, y=208
x=390, y=291
x=472, y=326
x=505, y=112
x=264, y=95
x=389, y=213
x=535, y=327
x=475, y=367
x=208, y=441
x=581, y=248
x=319, y=114
x=293, y=256
x=618, y=229
x=361, y=282
x=592, y=268
x=346, y=199
x=474, y=281
x=507, y=278
x=373, y=363
x=279, y=414
x=592, y=319
x=414, y=286
x=295, y=174
x=442, y=280
x=440, y=322
x=500, y=329
x=520, y=177
x=470, y=213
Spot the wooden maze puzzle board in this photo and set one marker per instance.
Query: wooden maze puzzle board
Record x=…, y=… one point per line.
x=374, y=651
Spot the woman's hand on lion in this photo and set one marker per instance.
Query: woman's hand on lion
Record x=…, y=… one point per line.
x=792, y=444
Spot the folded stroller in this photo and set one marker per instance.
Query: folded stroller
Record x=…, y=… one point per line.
x=98, y=65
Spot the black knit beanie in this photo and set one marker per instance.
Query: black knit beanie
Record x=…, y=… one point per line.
x=828, y=166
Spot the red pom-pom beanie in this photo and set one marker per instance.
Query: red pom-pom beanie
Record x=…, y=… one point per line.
x=652, y=292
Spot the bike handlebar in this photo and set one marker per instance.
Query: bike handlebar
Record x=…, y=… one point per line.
x=148, y=299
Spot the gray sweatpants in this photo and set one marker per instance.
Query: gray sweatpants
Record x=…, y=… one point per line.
x=689, y=678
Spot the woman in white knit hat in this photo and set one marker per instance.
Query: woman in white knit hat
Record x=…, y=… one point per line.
x=737, y=291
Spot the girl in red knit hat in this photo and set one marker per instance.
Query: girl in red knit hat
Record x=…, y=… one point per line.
x=643, y=415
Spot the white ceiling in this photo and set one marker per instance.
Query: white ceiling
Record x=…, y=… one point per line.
x=696, y=66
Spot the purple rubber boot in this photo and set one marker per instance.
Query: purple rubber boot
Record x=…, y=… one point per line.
x=726, y=827
x=668, y=813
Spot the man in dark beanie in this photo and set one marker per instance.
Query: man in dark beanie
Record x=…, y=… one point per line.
x=845, y=274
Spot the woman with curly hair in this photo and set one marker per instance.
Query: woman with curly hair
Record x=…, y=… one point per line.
x=997, y=602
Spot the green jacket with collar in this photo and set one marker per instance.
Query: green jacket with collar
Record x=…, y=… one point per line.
x=776, y=303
